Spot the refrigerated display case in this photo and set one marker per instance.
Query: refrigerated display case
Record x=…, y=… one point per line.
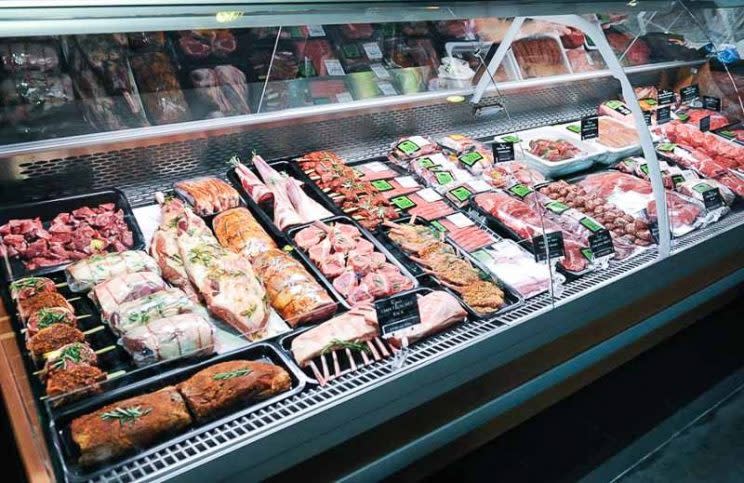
x=350, y=211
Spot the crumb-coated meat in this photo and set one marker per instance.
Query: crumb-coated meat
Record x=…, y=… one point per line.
x=132, y=424
x=223, y=386
x=54, y=337
x=75, y=381
x=42, y=300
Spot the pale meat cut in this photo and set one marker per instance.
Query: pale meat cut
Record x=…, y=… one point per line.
x=158, y=305
x=438, y=310
x=357, y=325
x=252, y=185
x=182, y=335
x=84, y=274
x=208, y=195
x=227, y=282
x=130, y=286
x=239, y=231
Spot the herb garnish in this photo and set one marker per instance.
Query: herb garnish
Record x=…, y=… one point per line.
x=341, y=344
x=26, y=283
x=70, y=353
x=200, y=255
x=126, y=415
x=49, y=317
x=222, y=376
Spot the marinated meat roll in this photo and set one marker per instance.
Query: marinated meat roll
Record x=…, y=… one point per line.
x=44, y=300
x=129, y=425
x=72, y=369
x=130, y=286
x=52, y=338
x=83, y=275
x=46, y=317
x=184, y=335
x=239, y=231
x=221, y=387
x=30, y=286
x=158, y=305
x=292, y=291
x=208, y=195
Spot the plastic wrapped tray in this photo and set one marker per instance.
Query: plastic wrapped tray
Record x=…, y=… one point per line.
x=553, y=169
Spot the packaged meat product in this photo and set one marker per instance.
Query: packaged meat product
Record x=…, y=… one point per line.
x=183, y=335
x=698, y=189
x=157, y=305
x=508, y=173
x=616, y=139
x=408, y=148
x=159, y=88
x=20, y=55
x=146, y=40
x=208, y=195
x=438, y=310
x=284, y=65
x=629, y=49
x=671, y=175
x=393, y=187
x=203, y=44
x=353, y=56
x=418, y=204
x=221, y=90
x=458, y=143
x=356, y=31
x=734, y=134
x=103, y=79
x=225, y=386
x=540, y=57
x=129, y=425
x=319, y=52
x=635, y=197
x=726, y=154
x=375, y=170
x=555, y=152
x=109, y=295
x=700, y=162
x=517, y=268
x=693, y=117
x=464, y=232
x=84, y=274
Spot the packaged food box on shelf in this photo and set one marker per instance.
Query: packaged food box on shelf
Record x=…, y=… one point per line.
x=618, y=140
x=572, y=155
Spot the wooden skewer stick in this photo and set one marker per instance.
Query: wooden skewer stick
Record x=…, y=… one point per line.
x=61, y=284
x=73, y=299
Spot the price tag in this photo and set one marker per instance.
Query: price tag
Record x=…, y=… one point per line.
x=557, y=207
x=663, y=115
x=407, y=182
x=689, y=93
x=647, y=117
x=380, y=71
x=382, y=185
x=705, y=123
x=315, y=31
x=511, y=138
x=397, y=313
x=519, y=190
x=503, y=152
x=444, y=177
x=618, y=106
x=665, y=97
x=428, y=194
x=403, y=202
x=601, y=243
x=589, y=127
x=479, y=185
x=387, y=89
x=461, y=193
x=373, y=50
x=711, y=196
x=712, y=103
x=469, y=159
x=460, y=220
x=375, y=167
x=555, y=245
x=344, y=97
x=333, y=67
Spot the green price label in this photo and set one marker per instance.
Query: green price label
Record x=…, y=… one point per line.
x=461, y=193
x=511, y=138
x=351, y=51
x=470, y=159
x=666, y=147
x=588, y=253
x=649, y=101
x=427, y=163
x=557, y=207
x=403, y=202
x=444, y=177
x=438, y=226
x=702, y=187
x=684, y=117
x=590, y=224
x=644, y=169
x=727, y=134
x=408, y=147
x=574, y=128
x=520, y=190
x=382, y=185
x=677, y=179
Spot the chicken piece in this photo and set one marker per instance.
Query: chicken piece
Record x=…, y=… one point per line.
x=30, y=286
x=123, y=288
x=46, y=317
x=44, y=300
x=129, y=425
x=84, y=274
x=182, y=335
x=230, y=385
x=357, y=325
x=52, y=338
x=438, y=310
x=239, y=231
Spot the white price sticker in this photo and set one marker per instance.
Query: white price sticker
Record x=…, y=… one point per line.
x=333, y=67
x=344, y=97
x=315, y=31
x=407, y=182
x=428, y=194
x=460, y=220
x=380, y=71
x=373, y=50
x=375, y=167
x=387, y=89
x=479, y=185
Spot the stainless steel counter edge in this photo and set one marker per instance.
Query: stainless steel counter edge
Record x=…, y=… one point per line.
x=331, y=424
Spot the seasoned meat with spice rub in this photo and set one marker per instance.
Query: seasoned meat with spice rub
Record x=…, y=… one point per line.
x=232, y=384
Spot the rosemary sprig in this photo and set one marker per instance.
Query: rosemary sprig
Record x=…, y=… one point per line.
x=126, y=415
x=70, y=353
x=222, y=376
x=50, y=317
x=342, y=344
x=200, y=255
x=26, y=283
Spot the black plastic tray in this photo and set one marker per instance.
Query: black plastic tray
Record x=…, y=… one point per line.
x=367, y=235
x=68, y=453
x=511, y=297
x=47, y=210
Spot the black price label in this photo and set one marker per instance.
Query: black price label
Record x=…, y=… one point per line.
x=689, y=93
x=665, y=97
x=503, y=151
x=647, y=117
x=589, y=127
x=712, y=103
x=555, y=245
x=653, y=227
x=705, y=123
x=711, y=196
x=601, y=243
x=663, y=115
x=397, y=313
